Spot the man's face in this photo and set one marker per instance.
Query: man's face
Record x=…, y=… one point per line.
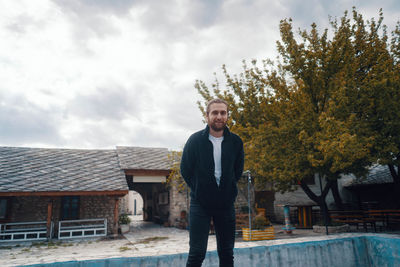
x=217, y=117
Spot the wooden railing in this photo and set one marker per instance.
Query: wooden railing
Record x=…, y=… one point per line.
x=382, y=219
x=82, y=228
x=24, y=231
x=388, y=219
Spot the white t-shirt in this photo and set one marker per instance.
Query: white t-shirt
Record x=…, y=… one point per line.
x=217, y=141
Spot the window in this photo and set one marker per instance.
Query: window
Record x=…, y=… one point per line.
x=3, y=208
x=70, y=208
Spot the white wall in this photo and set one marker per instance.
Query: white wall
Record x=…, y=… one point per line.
x=132, y=197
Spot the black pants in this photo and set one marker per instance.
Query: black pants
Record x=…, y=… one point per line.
x=199, y=228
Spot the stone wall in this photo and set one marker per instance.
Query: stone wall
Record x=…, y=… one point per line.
x=179, y=201
x=124, y=205
x=93, y=207
x=30, y=209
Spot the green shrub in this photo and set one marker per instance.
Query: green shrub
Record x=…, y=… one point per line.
x=124, y=219
x=260, y=222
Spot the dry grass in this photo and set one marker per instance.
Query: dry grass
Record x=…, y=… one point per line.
x=151, y=239
x=122, y=249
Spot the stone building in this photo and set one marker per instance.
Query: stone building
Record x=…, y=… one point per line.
x=53, y=185
x=375, y=191
x=59, y=185
x=146, y=171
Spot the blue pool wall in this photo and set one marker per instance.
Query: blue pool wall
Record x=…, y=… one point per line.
x=361, y=251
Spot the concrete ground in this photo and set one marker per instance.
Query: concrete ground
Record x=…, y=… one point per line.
x=144, y=239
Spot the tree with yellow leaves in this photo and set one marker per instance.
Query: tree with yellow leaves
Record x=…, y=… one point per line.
x=175, y=178
x=305, y=115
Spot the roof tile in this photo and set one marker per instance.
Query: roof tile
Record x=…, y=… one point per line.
x=378, y=174
x=143, y=158
x=43, y=169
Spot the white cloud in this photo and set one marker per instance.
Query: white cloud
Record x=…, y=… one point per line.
x=23, y=122
x=100, y=73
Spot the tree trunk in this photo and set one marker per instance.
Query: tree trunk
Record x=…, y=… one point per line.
x=320, y=200
x=336, y=195
x=325, y=211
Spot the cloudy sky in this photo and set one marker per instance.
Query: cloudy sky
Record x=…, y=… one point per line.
x=101, y=73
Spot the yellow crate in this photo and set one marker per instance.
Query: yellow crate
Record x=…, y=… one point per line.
x=266, y=234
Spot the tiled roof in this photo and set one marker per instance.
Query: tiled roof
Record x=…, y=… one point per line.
x=294, y=199
x=42, y=169
x=378, y=174
x=143, y=158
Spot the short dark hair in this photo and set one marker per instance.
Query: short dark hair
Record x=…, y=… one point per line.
x=214, y=101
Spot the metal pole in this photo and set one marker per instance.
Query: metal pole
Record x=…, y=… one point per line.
x=248, y=200
x=286, y=211
x=320, y=188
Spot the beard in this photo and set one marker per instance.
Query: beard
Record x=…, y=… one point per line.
x=217, y=127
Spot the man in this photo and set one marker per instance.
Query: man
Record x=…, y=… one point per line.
x=212, y=163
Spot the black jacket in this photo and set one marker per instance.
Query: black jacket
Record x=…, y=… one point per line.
x=197, y=168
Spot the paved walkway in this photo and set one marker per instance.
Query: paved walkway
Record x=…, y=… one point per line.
x=144, y=239
x=153, y=239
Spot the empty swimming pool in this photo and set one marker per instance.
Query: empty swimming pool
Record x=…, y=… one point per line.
x=354, y=251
